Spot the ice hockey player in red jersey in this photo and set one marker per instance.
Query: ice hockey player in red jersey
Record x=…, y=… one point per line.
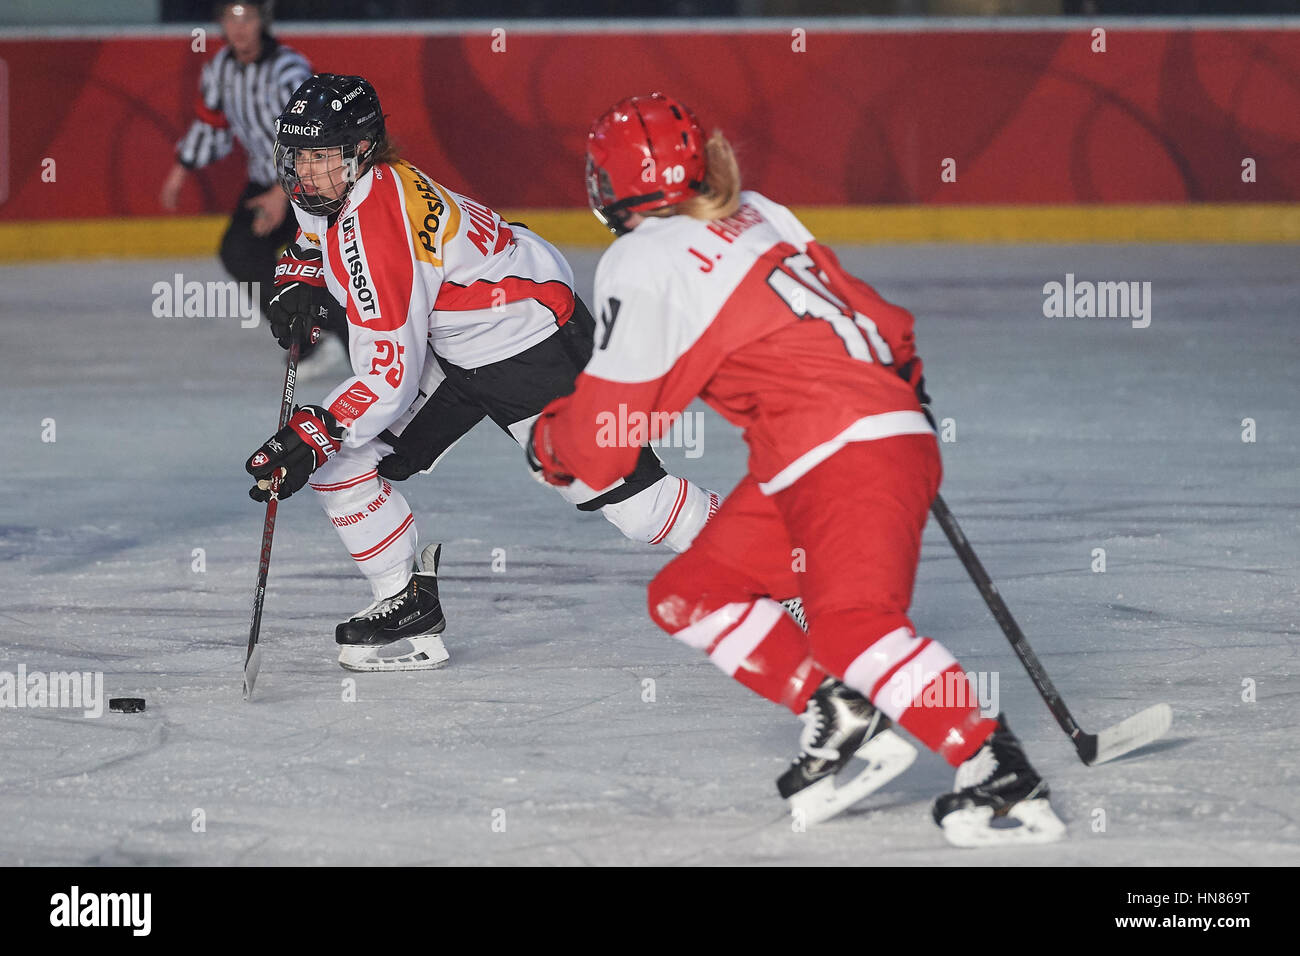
x=453, y=316
x=722, y=294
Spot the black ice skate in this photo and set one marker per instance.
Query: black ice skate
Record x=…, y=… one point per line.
x=840, y=724
x=402, y=632
x=998, y=798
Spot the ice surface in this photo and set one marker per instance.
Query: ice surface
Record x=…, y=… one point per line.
x=1071, y=435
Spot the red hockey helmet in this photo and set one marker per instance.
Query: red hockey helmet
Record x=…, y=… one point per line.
x=644, y=152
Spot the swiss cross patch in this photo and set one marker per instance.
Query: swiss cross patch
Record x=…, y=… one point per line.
x=260, y=459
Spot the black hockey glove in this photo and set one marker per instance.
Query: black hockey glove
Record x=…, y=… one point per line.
x=309, y=440
x=397, y=467
x=299, y=290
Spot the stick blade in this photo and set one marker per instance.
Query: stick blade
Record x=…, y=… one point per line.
x=1128, y=735
x=251, y=668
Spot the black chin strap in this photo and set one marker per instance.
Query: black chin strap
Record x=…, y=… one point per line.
x=617, y=207
x=614, y=214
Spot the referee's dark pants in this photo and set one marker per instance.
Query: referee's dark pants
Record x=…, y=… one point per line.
x=252, y=258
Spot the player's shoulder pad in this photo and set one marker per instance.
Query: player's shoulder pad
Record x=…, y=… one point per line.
x=431, y=209
x=375, y=202
x=622, y=264
x=779, y=215
x=633, y=256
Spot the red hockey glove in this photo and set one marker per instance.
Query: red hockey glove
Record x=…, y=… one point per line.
x=299, y=290
x=540, y=455
x=309, y=440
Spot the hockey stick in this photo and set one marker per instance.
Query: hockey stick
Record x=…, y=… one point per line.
x=253, y=660
x=1137, y=731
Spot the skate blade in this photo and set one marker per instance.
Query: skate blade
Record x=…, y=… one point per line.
x=422, y=653
x=886, y=755
x=973, y=826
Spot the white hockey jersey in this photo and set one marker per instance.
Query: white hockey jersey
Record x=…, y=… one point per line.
x=418, y=266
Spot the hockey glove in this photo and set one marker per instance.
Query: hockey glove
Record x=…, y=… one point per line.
x=397, y=467
x=309, y=440
x=540, y=455
x=299, y=290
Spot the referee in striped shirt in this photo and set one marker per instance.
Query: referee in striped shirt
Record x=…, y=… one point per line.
x=241, y=92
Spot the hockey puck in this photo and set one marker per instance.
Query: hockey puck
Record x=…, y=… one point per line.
x=126, y=705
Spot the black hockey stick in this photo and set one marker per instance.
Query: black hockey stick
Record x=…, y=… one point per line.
x=1137, y=731
x=253, y=660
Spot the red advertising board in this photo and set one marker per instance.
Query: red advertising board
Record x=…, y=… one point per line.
x=858, y=118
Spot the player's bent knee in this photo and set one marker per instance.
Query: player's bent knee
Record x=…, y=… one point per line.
x=677, y=595
x=351, y=492
x=341, y=484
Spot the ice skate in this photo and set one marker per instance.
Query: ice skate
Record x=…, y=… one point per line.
x=839, y=725
x=998, y=798
x=402, y=632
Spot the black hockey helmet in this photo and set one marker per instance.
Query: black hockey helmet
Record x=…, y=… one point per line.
x=328, y=112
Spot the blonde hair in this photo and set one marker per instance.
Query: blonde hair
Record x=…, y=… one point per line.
x=721, y=195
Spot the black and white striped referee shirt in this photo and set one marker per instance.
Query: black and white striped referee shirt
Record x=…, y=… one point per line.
x=243, y=101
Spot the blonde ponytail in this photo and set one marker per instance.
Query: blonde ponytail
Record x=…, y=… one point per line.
x=721, y=196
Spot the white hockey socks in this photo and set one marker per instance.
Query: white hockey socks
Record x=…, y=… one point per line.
x=376, y=526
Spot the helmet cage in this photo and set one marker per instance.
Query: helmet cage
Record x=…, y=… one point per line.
x=342, y=176
x=611, y=211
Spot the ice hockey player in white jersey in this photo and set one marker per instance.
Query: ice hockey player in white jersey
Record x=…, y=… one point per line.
x=453, y=316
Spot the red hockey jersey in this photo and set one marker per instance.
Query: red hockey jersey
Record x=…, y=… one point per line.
x=757, y=318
